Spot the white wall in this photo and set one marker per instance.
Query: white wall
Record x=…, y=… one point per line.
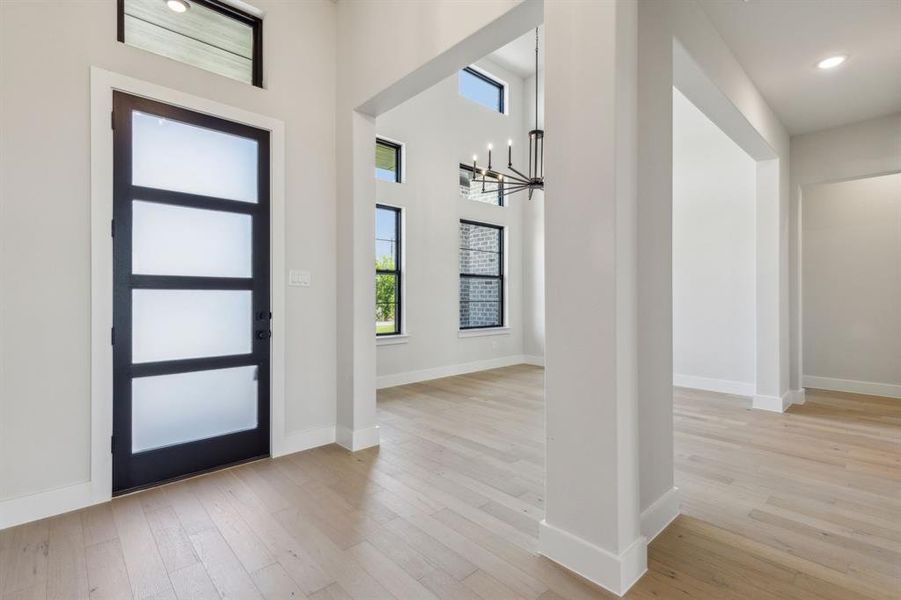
x=533, y=240
x=440, y=129
x=47, y=50
x=864, y=149
x=852, y=285
x=714, y=255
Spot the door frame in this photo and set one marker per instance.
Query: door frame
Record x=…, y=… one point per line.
x=103, y=83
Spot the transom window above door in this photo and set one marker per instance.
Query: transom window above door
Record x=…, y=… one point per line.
x=207, y=34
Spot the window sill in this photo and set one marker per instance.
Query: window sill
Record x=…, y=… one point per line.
x=467, y=333
x=391, y=340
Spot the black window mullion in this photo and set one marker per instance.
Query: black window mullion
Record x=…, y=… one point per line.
x=398, y=296
x=190, y=282
x=161, y=196
x=189, y=365
x=500, y=260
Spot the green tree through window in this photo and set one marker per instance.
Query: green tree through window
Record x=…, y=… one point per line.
x=387, y=271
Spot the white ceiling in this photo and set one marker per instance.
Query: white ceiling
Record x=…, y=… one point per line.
x=778, y=42
x=519, y=55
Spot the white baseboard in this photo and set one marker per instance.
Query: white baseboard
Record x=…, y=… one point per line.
x=358, y=439
x=537, y=361
x=798, y=396
x=725, y=386
x=25, y=509
x=386, y=381
x=871, y=388
x=660, y=514
x=772, y=403
x=612, y=572
x=298, y=441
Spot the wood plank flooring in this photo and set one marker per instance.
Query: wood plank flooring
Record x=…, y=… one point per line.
x=803, y=505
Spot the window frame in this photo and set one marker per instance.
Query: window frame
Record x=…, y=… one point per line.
x=500, y=187
x=501, y=276
x=255, y=23
x=497, y=83
x=398, y=158
x=397, y=271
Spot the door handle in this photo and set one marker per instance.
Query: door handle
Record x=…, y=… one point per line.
x=263, y=334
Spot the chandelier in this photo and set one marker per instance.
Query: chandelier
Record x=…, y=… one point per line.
x=515, y=180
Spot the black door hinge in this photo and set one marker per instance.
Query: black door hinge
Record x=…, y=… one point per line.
x=112, y=336
x=112, y=119
x=112, y=228
x=112, y=444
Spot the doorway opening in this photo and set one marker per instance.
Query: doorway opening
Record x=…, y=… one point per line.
x=458, y=264
x=850, y=279
x=714, y=256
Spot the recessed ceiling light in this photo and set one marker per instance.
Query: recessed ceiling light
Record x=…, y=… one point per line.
x=832, y=61
x=178, y=6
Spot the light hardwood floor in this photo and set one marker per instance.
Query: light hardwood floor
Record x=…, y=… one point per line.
x=802, y=505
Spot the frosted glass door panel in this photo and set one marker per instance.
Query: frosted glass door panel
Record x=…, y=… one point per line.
x=177, y=324
x=174, y=409
x=174, y=240
x=175, y=156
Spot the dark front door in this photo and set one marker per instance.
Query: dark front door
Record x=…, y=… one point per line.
x=191, y=292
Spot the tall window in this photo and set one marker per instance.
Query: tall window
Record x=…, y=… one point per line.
x=493, y=193
x=387, y=160
x=387, y=270
x=481, y=275
x=208, y=34
x=481, y=88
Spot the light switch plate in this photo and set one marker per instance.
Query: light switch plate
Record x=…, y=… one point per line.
x=299, y=278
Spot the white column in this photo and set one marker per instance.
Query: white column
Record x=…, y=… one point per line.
x=772, y=288
x=659, y=497
x=356, y=427
x=592, y=515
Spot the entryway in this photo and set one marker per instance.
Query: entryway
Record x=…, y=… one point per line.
x=191, y=294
